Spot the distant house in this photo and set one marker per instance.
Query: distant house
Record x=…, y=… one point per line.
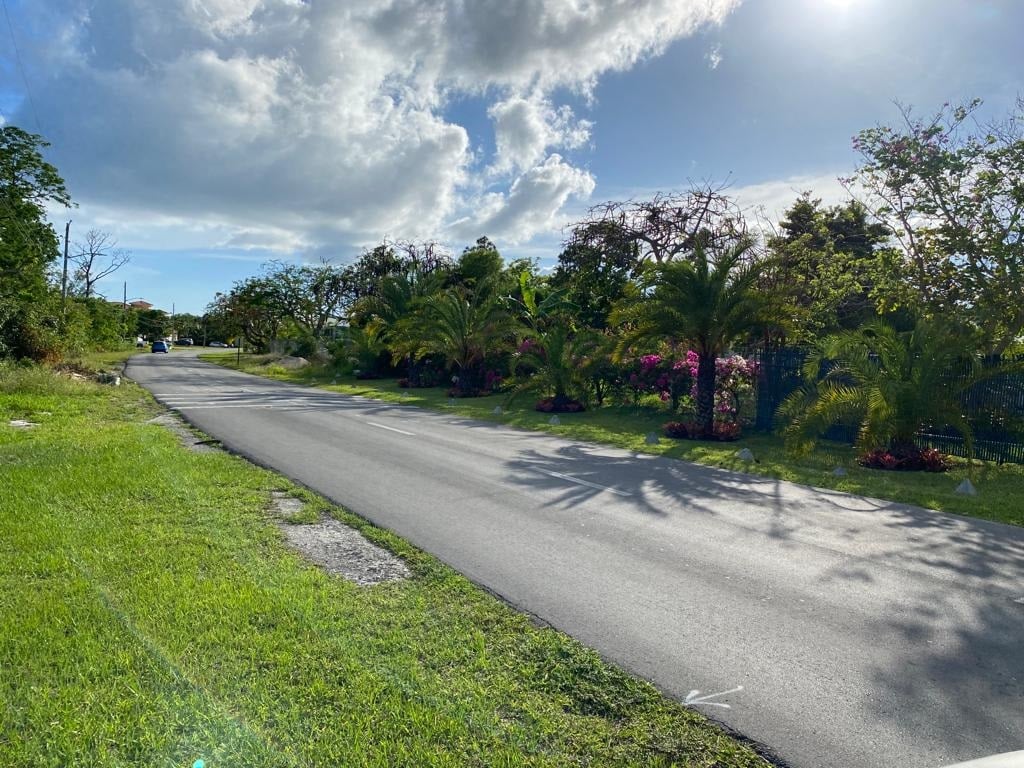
x=140, y=304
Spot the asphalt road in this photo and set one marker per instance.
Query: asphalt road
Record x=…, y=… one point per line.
x=863, y=632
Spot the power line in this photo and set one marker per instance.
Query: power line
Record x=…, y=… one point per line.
x=21, y=67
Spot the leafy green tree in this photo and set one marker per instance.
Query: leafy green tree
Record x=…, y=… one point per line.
x=109, y=325
x=252, y=308
x=310, y=296
x=827, y=262
x=952, y=192
x=479, y=265
x=708, y=303
x=890, y=383
x=594, y=269
x=187, y=325
x=28, y=243
x=152, y=323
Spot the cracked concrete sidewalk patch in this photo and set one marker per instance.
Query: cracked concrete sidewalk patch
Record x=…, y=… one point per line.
x=337, y=548
x=187, y=437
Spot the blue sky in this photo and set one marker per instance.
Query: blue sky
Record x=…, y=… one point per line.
x=211, y=135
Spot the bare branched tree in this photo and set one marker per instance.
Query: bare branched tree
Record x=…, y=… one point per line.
x=95, y=258
x=667, y=226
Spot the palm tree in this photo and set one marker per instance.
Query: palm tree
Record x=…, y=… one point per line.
x=557, y=360
x=708, y=303
x=463, y=329
x=391, y=310
x=363, y=347
x=890, y=383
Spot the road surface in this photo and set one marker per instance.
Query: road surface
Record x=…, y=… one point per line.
x=864, y=633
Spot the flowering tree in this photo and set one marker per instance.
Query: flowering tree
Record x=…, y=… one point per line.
x=661, y=375
x=952, y=191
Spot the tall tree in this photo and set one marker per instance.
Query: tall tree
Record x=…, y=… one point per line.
x=829, y=263
x=311, y=295
x=28, y=244
x=253, y=308
x=96, y=257
x=952, y=191
x=480, y=264
x=594, y=269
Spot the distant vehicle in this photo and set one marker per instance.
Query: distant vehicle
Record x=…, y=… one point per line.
x=217, y=344
x=185, y=342
x=160, y=346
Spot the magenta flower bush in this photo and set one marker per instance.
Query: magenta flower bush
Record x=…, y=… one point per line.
x=674, y=379
x=734, y=383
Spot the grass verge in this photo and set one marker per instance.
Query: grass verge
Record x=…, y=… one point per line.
x=150, y=614
x=1001, y=487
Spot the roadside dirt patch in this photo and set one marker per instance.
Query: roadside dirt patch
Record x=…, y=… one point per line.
x=337, y=548
x=344, y=551
x=187, y=437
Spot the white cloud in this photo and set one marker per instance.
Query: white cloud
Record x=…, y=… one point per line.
x=771, y=198
x=714, y=56
x=287, y=124
x=526, y=127
x=532, y=205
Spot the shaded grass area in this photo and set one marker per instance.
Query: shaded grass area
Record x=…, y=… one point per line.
x=150, y=614
x=1001, y=487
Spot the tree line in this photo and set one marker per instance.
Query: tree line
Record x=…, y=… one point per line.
x=49, y=306
x=649, y=297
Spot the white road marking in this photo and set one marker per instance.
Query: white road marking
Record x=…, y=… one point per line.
x=1019, y=600
x=693, y=698
x=188, y=407
x=576, y=480
x=390, y=429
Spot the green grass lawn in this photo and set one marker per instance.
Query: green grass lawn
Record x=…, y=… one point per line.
x=1001, y=488
x=150, y=614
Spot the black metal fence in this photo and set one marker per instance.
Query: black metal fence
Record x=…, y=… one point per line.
x=994, y=406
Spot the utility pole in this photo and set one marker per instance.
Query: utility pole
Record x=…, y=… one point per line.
x=64, y=277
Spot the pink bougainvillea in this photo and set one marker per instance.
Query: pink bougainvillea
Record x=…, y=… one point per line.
x=671, y=378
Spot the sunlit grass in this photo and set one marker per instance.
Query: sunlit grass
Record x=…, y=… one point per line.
x=151, y=615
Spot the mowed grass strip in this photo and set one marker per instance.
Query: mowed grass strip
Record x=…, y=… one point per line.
x=150, y=614
x=1001, y=487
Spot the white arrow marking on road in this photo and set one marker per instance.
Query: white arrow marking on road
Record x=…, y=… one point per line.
x=693, y=698
x=392, y=429
x=576, y=480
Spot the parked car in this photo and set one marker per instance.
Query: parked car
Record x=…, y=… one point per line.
x=217, y=344
x=160, y=346
x=185, y=342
